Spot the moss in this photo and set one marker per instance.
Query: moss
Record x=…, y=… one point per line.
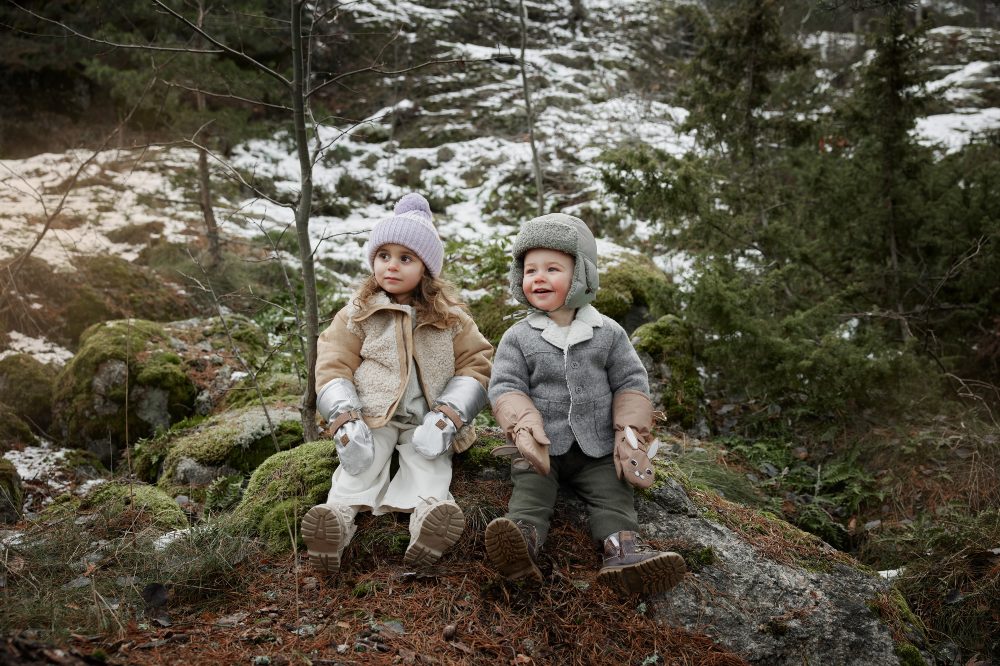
x=26, y=387
x=240, y=439
x=251, y=340
x=634, y=291
x=284, y=487
x=280, y=388
x=14, y=433
x=148, y=454
x=490, y=314
x=90, y=403
x=479, y=455
x=11, y=492
x=667, y=342
x=156, y=504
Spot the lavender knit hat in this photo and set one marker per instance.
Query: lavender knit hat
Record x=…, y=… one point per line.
x=410, y=226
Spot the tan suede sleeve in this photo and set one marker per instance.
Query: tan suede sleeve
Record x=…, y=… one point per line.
x=472, y=352
x=338, y=352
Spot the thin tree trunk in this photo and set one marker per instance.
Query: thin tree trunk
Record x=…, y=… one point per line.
x=531, y=122
x=204, y=176
x=302, y=213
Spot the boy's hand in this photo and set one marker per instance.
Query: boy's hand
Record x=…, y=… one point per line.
x=632, y=460
x=522, y=423
x=633, y=418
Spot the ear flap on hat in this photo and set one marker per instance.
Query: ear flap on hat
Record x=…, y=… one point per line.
x=585, y=283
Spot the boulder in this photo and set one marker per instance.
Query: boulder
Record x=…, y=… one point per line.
x=233, y=442
x=123, y=384
x=665, y=349
x=117, y=497
x=284, y=487
x=26, y=386
x=131, y=379
x=15, y=434
x=633, y=290
x=11, y=493
x=765, y=589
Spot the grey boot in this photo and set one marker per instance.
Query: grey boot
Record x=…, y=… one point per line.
x=327, y=529
x=632, y=566
x=512, y=547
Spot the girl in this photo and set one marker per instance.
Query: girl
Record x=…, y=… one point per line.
x=403, y=369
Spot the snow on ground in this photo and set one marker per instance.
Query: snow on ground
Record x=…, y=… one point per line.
x=954, y=130
x=41, y=349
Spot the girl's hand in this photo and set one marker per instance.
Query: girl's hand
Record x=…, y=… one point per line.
x=355, y=446
x=433, y=437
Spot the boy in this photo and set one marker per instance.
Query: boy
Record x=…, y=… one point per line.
x=572, y=396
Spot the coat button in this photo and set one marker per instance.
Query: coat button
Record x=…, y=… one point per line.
x=576, y=364
x=579, y=389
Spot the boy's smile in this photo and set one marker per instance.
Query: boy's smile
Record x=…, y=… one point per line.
x=547, y=277
x=398, y=271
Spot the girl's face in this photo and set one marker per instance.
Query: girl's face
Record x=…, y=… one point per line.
x=398, y=271
x=548, y=275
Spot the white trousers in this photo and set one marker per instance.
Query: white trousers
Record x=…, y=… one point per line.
x=417, y=478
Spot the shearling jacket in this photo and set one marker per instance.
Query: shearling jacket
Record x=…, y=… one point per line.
x=375, y=354
x=571, y=375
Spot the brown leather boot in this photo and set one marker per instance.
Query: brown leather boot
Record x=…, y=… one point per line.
x=512, y=546
x=632, y=566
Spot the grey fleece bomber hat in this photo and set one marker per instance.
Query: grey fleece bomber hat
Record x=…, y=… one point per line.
x=565, y=233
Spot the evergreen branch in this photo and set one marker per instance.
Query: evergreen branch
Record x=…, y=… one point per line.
x=116, y=45
x=240, y=55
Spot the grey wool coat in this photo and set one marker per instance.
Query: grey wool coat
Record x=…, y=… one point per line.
x=571, y=375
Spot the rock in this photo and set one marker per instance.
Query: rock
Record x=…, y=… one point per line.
x=284, y=487
x=15, y=434
x=136, y=372
x=229, y=443
x=115, y=498
x=633, y=290
x=26, y=387
x=776, y=595
x=11, y=493
x=664, y=347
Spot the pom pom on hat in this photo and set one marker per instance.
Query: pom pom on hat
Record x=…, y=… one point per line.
x=411, y=226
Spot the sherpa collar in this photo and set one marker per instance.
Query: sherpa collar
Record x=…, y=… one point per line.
x=580, y=329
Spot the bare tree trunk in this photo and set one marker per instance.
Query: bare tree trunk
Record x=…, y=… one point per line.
x=303, y=209
x=204, y=176
x=531, y=122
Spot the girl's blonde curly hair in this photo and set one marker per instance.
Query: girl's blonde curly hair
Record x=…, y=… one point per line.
x=433, y=300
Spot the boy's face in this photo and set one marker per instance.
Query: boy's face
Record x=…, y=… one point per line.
x=547, y=277
x=398, y=271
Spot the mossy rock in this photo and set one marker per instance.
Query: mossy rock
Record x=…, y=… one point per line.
x=11, y=493
x=283, y=488
x=634, y=291
x=235, y=441
x=666, y=350
x=277, y=388
x=122, y=385
x=14, y=433
x=158, y=505
x=26, y=387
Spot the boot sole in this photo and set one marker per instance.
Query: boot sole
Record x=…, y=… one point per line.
x=440, y=530
x=507, y=549
x=653, y=576
x=324, y=535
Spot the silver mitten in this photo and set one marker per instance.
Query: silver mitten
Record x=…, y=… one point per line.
x=339, y=404
x=459, y=402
